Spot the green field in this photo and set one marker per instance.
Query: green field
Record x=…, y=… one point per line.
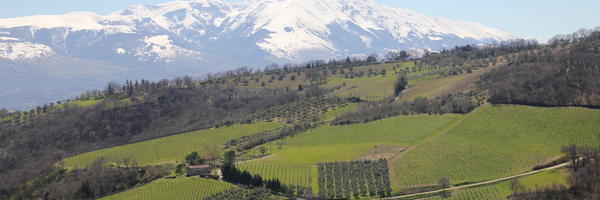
x=374, y=88
x=402, y=130
x=296, y=174
x=539, y=180
x=313, y=155
x=332, y=113
x=186, y=188
x=171, y=148
x=432, y=88
x=497, y=141
x=472, y=194
x=86, y=103
x=343, y=143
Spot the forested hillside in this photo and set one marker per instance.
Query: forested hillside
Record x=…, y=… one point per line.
x=564, y=73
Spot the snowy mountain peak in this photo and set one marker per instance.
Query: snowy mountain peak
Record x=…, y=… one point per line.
x=268, y=30
x=199, y=36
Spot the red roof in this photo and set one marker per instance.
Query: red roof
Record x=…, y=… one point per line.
x=198, y=166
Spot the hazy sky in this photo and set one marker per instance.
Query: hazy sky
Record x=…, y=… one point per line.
x=523, y=18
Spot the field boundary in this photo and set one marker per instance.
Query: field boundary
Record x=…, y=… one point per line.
x=485, y=182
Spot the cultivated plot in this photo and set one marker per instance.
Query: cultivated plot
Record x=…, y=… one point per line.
x=187, y=188
x=497, y=141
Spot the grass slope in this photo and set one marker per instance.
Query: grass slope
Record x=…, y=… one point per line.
x=496, y=141
x=343, y=143
x=402, y=130
x=439, y=86
x=539, y=180
x=172, y=147
x=187, y=188
x=477, y=193
x=296, y=174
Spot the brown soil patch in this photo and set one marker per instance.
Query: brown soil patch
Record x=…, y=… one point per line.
x=381, y=151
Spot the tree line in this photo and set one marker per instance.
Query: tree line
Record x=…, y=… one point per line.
x=371, y=111
x=583, y=181
x=231, y=173
x=550, y=76
x=354, y=178
x=94, y=181
x=242, y=193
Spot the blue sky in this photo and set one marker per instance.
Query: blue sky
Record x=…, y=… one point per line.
x=523, y=18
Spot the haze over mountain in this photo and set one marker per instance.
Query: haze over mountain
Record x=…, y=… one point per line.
x=45, y=58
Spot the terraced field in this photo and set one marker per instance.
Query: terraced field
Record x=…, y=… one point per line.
x=174, y=147
x=187, y=188
x=296, y=174
x=497, y=141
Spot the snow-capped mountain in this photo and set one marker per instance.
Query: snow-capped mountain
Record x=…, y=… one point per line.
x=208, y=35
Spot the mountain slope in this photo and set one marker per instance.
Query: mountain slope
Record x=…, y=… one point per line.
x=208, y=35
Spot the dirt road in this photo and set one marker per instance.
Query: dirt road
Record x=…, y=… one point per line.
x=486, y=182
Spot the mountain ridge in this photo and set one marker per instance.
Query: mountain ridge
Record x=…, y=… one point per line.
x=200, y=36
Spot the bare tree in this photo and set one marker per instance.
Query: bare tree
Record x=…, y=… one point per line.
x=211, y=153
x=263, y=149
x=126, y=160
x=515, y=186
x=372, y=58
x=392, y=55
x=444, y=182
x=188, y=80
x=313, y=75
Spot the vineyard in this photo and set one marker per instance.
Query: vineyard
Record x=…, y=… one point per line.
x=403, y=130
x=188, y=188
x=355, y=178
x=173, y=147
x=473, y=194
x=295, y=174
x=496, y=141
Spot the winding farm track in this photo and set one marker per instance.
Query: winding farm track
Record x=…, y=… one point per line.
x=486, y=182
x=404, y=92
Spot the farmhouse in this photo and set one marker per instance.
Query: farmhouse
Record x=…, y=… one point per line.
x=198, y=169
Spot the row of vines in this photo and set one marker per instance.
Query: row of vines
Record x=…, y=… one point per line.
x=189, y=188
x=296, y=174
x=496, y=141
x=355, y=178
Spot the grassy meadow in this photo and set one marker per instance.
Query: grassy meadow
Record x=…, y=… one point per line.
x=431, y=88
x=173, y=147
x=497, y=141
x=490, y=193
x=180, y=188
x=539, y=180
